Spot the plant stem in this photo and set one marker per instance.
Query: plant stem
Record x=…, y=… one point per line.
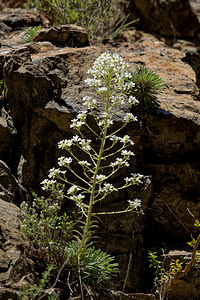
x=92, y=196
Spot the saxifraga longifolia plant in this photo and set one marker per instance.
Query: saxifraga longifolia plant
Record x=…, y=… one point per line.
x=109, y=81
x=88, y=181
x=147, y=86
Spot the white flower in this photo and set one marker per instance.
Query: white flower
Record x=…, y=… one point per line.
x=54, y=172
x=92, y=82
x=65, y=144
x=47, y=184
x=108, y=65
x=120, y=163
x=118, y=100
x=135, y=179
x=82, y=116
x=100, y=177
x=77, y=198
x=84, y=163
x=126, y=154
x=126, y=139
x=73, y=189
x=103, y=121
x=115, y=139
x=80, y=197
x=132, y=100
x=76, y=138
x=136, y=204
x=63, y=161
x=85, y=144
x=102, y=89
x=130, y=117
x=129, y=85
x=76, y=124
x=90, y=102
x=108, y=188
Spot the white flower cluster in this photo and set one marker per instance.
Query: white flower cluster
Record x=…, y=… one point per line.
x=130, y=117
x=126, y=154
x=118, y=100
x=53, y=173
x=47, y=184
x=76, y=124
x=107, y=188
x=136, y=204
x=65, y=144
x=73, y=189
x=83, y=143
x=132, y=100
x=64, y=161
x=120, y=162
x=110, y=66
x=100, y=178
x=104, y=64
x=90, y=102
x=84, y=163
x=105, y=121
x=135, y=179
x=126, y=140
x=78, y=199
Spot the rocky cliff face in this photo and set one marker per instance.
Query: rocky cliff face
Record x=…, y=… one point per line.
x=44, y=85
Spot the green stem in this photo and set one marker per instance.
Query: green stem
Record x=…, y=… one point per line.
x=92, y=196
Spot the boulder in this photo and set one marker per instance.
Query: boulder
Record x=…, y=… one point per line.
x=63, y=35
x=171, y=18
x=16, y=18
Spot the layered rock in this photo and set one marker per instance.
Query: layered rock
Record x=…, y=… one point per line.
x=172, y=18
x=16, y=269
x=44, y=86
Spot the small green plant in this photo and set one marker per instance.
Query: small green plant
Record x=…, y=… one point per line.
x=30, y=34
x=38, y=292
x=97, y=268
x=163, y=274
x=147, y=86
x=2, y=87
x=46, y=226
x=122, y=26
x=93, y=15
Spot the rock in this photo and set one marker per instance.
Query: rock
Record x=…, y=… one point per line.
x=63, y=35
x=172, y=18
x=16, y=269
x=118, y=295
x=53, y=85
x=7, y=135
x=10, y=190
x=12, y=3
x=19, y=17
x=4, y=29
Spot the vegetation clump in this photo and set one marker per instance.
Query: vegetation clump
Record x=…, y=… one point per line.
x=147, y=87
x=30, y=34
x=93, y=15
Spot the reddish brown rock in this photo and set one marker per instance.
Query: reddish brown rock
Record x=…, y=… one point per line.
x=63, y=35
